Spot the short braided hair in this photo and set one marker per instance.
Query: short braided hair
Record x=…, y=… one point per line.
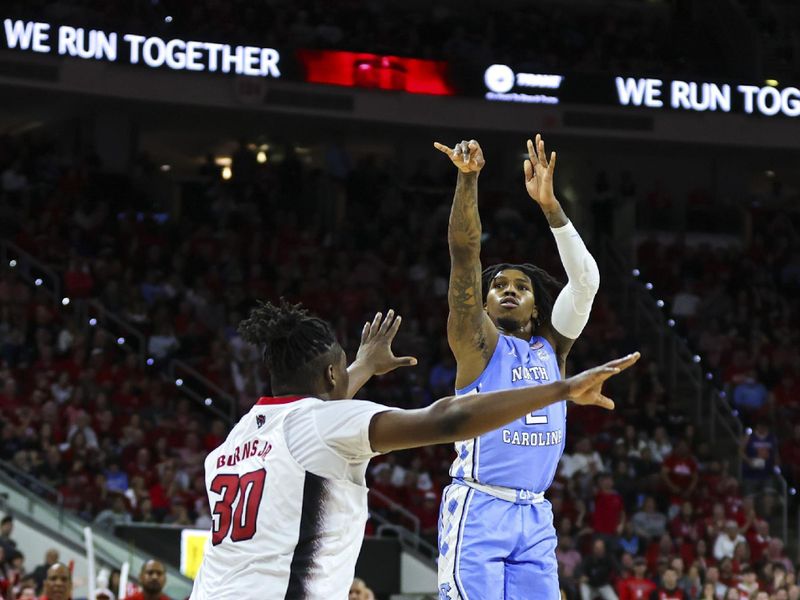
x=291, y=339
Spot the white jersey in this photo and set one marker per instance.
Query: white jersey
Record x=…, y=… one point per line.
x=288, y=501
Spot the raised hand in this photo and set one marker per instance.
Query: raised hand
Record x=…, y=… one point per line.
x=586, y=388
x=375, y=349
x=539, y=174
x=466, y=155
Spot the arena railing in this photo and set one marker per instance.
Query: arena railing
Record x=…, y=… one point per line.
x=32, y=269
x=90, y=313
x=410, y=537
x=200, y=388
x=683, y=371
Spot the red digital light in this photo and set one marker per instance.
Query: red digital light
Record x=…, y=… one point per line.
x=360, y=69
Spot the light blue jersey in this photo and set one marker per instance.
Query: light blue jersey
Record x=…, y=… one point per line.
x=496, y=535
x=522, y=455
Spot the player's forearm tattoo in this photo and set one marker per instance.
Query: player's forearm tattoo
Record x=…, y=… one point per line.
x=555, y=216
x=464, y=230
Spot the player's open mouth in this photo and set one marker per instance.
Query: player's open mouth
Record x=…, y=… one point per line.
x=509, y=303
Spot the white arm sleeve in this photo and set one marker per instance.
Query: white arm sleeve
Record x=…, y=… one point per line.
x=574, y=303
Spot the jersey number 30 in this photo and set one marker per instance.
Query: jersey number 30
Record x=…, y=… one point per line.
x=245, y=492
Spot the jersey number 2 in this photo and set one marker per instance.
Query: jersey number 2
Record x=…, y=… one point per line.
x=532, y=419
x=248, y=490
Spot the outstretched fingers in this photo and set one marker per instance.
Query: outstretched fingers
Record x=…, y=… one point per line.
x=604, y=402
x=624, y=362
x=542, y=155
x=531, y=152
x=387, y=322
x=395, y=328
x=444, y=149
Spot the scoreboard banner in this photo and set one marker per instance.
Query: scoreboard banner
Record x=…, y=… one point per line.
x=513, y=84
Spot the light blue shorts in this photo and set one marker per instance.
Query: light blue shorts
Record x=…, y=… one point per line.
x=492, y=549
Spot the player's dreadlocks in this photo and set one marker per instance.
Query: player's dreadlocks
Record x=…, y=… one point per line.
x=293, y=341
x=544, y=285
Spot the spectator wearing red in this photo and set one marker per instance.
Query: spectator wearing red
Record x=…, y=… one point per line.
x=679, y=473
x=78, y=280
x=428, y=515
x=152, y=579
x=636, y=586
x=660, y=550
x=759, y=541
x=684, y=526
x=668, y=590
x=608, y=517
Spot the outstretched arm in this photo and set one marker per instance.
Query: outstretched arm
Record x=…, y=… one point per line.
x=375, y=355
x=470, y=333
x=574, y=303
x=462, y=417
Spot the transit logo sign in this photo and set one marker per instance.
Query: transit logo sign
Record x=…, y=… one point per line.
x=504, y=85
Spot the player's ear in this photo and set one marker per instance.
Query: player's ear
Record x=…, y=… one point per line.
x=330, y=377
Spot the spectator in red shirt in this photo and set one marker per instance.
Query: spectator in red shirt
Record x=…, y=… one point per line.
x=668, y=590
x=684, y=527
x=679, y=473
x=608, y=517
x=637, y=586
x=428, y=515
x=759, y=541
x=152, y=578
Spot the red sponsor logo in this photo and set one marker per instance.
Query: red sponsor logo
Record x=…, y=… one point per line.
x=361, y=69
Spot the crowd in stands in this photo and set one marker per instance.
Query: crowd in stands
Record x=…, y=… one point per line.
x=53, y=579
x=640, y=497
x=656, y=37
x=737, y=304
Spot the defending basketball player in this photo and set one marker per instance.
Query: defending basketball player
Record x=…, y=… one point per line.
x=496, y=538
x=287, y=489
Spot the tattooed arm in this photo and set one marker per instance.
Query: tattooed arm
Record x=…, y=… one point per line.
x=471, y=334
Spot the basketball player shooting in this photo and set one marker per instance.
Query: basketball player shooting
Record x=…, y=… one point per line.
x=496, y=537
x=286, y=488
